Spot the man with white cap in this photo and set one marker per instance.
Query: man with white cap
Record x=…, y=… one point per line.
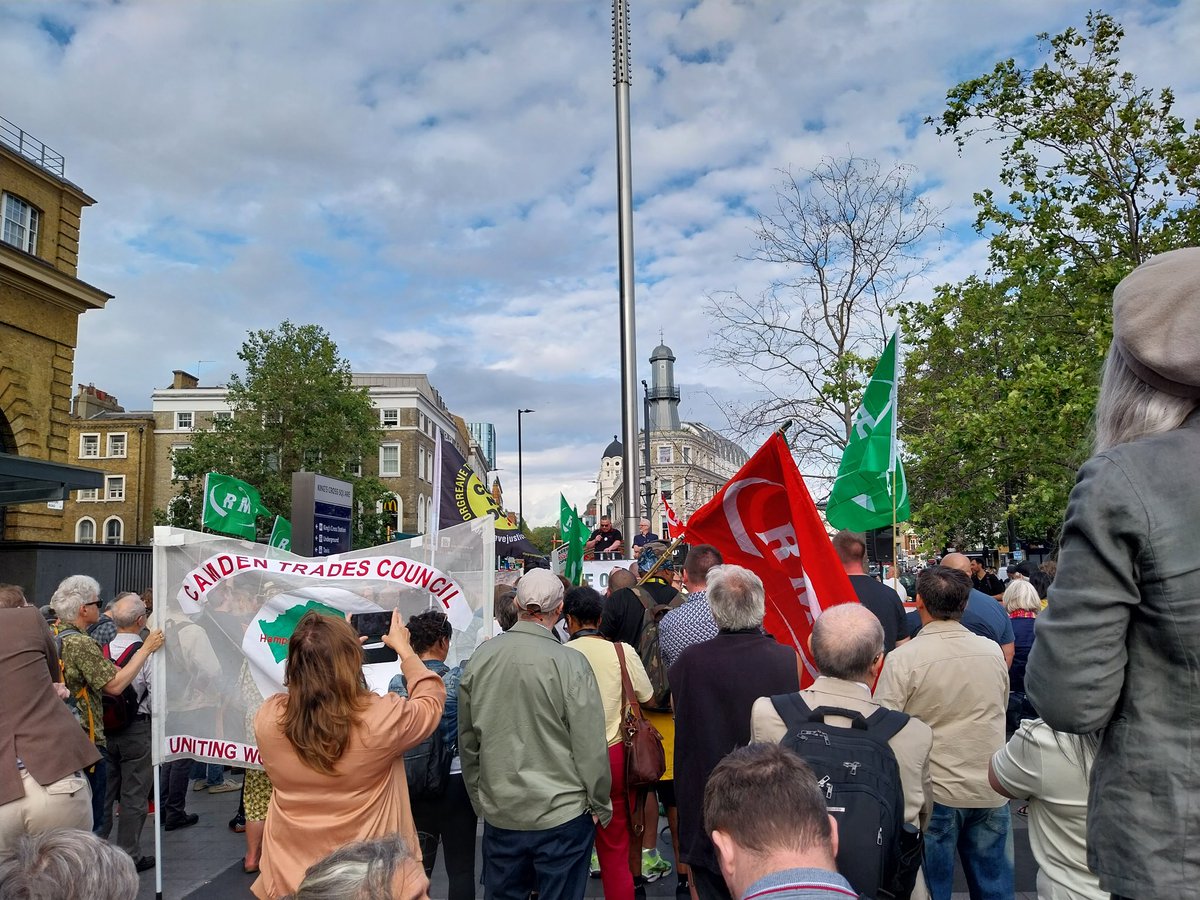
x=531, y=735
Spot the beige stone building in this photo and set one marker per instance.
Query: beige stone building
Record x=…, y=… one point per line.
x=41, y=300
x=411, y=412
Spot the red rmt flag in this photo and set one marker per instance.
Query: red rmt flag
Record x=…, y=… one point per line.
x=765, y=520
x=675, y=528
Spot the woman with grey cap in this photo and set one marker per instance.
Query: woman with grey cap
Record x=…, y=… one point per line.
x=1116, y=648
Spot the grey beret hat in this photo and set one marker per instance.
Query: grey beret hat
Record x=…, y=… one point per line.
x=1156, y=322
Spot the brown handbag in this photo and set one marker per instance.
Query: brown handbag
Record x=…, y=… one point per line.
x=645, y=759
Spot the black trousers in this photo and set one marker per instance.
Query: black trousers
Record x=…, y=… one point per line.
x=709, y=885
x=554, y=859
x=451, y=821
x=174, y=781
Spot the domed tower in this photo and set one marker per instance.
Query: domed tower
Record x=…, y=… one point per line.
x=608, y=484
x=664, y=395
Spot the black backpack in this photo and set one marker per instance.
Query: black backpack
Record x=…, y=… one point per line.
x=858, y=773
x=649, y=651
x=120, y=712
x=427, y=766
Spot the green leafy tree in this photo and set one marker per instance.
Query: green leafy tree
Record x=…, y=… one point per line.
x=1004, y=369
x=543, y=537
x=295, y=409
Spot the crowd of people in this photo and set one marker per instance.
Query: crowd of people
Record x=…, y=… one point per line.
x=1067, y=688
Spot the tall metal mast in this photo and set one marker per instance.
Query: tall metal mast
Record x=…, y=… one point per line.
x=629, y=405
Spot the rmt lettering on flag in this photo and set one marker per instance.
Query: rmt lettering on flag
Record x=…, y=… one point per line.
x=765, y=520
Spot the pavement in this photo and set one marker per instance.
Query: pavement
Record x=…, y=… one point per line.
x=204, y=862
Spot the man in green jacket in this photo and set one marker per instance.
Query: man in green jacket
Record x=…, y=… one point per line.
x=534, y=753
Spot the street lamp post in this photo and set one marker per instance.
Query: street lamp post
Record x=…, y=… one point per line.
x=520, y=473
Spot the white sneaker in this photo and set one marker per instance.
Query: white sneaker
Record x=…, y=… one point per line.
x=225, y=787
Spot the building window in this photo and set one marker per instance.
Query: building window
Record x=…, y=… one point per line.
x=114, y=531
x=666, y=486
x=665, y=454
x=421, y=471
x=389, y=460
x=174, y=450
x=389, y=418
x=354, y=469
x=89, y=494
x=420, y=515
x=664, y=529
x=20, y=223
x=114, y=487
x=687, y=454
x=116, y=444
x=222, y=415
x=429, y=462
x=85, y=531
x=89, y=446
x=423, y=422
x=183, y=421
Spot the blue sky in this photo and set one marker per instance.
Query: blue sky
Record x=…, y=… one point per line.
x=435, y=183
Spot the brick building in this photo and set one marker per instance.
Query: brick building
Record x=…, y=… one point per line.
x=105, y=436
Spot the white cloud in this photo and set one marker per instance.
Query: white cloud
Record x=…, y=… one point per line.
x=435, y=183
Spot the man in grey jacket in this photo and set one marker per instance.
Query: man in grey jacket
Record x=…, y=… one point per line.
x=1116, y=648
x=534, y=752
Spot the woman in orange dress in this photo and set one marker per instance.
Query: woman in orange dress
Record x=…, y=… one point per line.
x=335, y=751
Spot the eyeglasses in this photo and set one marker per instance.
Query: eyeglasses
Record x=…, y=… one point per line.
x=95, y=603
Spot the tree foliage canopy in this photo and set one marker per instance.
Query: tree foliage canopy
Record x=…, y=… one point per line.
x=295, y=409
x=1004, y=369
x=843, y=243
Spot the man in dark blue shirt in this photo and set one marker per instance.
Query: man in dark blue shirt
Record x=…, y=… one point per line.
x=983, y=616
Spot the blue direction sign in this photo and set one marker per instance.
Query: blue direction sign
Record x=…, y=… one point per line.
x=320, y=514
x=331, y=529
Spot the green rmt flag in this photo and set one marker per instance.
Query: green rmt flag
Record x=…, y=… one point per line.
x=862, y=496
x=281, y=534
x=231, y=506
x=574, y=534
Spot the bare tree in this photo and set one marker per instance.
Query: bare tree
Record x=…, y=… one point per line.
x=845, y=240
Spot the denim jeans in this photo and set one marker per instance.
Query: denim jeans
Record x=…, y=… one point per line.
x=983, y=839
x=98, y=779
x=211, y=774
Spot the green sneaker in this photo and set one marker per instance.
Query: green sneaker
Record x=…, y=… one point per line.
x=654, y=866
x=594, y=866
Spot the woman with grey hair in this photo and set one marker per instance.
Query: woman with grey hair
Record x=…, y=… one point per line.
x=1022, y=603
x=88, y=675
x=713, y=686
x=1116, y=647
x=66, y=864
x=381, y=869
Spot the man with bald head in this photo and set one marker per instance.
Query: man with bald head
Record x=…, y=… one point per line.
x=847, y=647
x=130, y=768
x=983, y=616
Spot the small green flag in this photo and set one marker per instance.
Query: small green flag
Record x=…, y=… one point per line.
x=231, y=506
x=281, y=534
x=862, y=496
x=574, y=534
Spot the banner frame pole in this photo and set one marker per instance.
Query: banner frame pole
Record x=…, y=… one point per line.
x=158, y=860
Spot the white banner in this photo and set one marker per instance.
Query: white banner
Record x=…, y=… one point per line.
x=228, y=608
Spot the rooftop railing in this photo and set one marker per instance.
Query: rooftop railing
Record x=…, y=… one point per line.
x=31, y=148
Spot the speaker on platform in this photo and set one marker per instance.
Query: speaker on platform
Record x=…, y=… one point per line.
x=879, y=545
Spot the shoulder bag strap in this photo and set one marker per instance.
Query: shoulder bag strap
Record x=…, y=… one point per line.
x=626, y=684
